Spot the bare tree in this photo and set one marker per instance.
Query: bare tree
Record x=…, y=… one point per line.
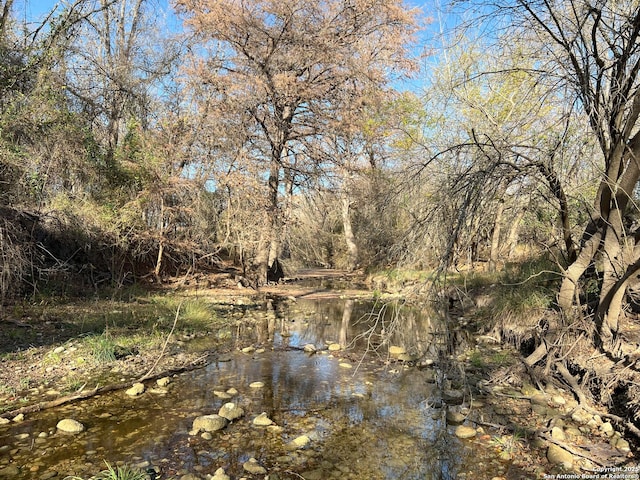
x=281, y=74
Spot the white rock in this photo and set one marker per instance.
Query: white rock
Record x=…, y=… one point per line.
x=208, y=423
x=70, y=425
x=298, y=442
x=163, y=382
x=262, y=420
x=231, y=411
x=396, y=350
x=462, y=431
x=135, y=390
x=220, y=474
x=256, y=384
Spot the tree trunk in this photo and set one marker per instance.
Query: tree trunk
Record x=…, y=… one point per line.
x=495, y=237
x=512, y=236
x=268, y=245
x=350, y=239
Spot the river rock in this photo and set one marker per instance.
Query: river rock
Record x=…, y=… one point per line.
x=455, y=418
x=396, y=350
x=623, y=445
x=298, y=442
x=558, y=434
x=607, y=429
x=252, y=466
x=231, y=411
x=453, y=397
x=345, y=365
x=262, y=420
x=220, y=474
x=310, y=348
x=136, y=389
x=163, y=382
x=462, y=431
x=232, y=391
x=256, y=384
x=334, y=347
x=221, y=394
x=559, y=456
x=18, y=418
x=208, y=423
x=10, y=471
x=69, y=425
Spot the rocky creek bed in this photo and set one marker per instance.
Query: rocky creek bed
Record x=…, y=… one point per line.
x=285, y=390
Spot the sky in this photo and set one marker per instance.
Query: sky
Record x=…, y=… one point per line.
x=429, y=41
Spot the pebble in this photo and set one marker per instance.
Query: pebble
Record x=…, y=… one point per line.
x=256, y=384
x=18, y=418
x=345, y=365
x=334, y=347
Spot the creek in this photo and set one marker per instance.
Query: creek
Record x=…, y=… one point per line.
x=366, y=414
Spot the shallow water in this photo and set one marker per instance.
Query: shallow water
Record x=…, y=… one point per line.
x=374, y=420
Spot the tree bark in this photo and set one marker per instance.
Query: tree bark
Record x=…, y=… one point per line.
x=350, y=239
x=495, y=237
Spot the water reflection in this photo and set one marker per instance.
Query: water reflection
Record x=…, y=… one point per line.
x=369, y=422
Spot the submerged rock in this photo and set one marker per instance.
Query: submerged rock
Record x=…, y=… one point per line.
x=231, y=411
x=298, y=442
x=252, y=466
x=334, y=347
x=69, y=425
x=208, y=423
x=256, y=384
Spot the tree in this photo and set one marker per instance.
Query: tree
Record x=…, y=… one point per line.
x=283, y=73
x=594, y=48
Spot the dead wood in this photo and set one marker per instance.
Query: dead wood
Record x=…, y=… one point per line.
x=37, y=407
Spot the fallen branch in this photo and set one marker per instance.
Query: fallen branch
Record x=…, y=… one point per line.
x=37, y=407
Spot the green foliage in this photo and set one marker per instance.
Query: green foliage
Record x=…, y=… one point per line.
x=102, y=348
x=120, y=472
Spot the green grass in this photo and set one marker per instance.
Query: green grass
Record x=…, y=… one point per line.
x=102, y=348
x=121, y=472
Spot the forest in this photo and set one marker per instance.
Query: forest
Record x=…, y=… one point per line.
x=142, y=142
